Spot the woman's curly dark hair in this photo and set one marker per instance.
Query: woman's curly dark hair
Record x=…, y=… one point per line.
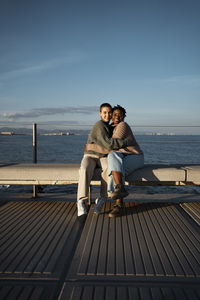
x=119, y=108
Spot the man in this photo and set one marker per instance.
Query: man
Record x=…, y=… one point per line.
x=101, y=138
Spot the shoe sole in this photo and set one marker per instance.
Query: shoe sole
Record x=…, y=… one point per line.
x=97, y=213
x=110, y=215
x=113, y=216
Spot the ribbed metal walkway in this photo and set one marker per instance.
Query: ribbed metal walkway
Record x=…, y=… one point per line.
x=148, y=240
x=151, y=252
x=33, y=236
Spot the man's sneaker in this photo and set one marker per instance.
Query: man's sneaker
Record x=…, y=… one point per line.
x=119, y=192
x=116, y=211
x=99, y=204
x=81, y=208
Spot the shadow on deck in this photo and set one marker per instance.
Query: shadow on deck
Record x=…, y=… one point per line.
x=151, y=252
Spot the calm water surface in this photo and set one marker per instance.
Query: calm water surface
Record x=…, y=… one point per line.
x=69, y=149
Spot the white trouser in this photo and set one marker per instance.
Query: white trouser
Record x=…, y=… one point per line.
x=86, y=171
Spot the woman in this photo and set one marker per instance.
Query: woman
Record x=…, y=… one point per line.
x=123, y=161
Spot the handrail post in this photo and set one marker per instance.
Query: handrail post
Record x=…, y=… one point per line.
x=34, y=143
x=89, y=194
x=34, y=154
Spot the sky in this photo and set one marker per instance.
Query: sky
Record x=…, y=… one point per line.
x=61, y=59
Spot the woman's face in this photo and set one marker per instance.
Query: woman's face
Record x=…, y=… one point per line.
x=117, y=116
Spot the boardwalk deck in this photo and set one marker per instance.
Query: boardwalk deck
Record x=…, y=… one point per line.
x=151, y=252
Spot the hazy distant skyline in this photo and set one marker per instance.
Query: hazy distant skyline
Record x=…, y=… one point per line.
x=59, y=60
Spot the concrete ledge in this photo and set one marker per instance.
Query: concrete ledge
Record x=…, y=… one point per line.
x=69, y=173
x=159, y=173
x=193, y=172
x=39, y=172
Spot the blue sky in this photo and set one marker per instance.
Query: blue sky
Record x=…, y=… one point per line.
x=60, y=59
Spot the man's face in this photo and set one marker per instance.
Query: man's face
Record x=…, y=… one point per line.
x=106, y=114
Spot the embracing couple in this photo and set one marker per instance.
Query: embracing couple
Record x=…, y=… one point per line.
x=114, y=149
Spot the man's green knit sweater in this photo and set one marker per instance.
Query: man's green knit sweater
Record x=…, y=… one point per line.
x=101, y=134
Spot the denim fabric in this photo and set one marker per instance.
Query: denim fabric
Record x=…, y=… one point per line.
x=125, y=164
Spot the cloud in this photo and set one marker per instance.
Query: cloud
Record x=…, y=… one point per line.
x=49, y=111
x=71, y=58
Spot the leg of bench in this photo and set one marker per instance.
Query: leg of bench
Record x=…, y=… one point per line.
x=34, y=191
x=89, y=195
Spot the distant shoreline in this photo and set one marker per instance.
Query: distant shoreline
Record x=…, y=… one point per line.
x=83, y=134
x=157, y=131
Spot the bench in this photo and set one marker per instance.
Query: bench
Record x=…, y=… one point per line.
x=61, y=174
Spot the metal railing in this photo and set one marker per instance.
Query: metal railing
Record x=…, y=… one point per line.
x=35, y=188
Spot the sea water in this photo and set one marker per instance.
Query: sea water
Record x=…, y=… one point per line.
x=165, y=149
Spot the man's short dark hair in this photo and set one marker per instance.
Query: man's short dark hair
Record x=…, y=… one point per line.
x=105, y=105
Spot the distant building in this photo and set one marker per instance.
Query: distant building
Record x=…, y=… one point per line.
x=58, y=133
x=6, y=133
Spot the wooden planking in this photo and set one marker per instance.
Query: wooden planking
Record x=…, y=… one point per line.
x=148, y=240
x=141, y=239
x=173, y=242
x=33, y=236
x=128, y=292
x=30, y=291
x=161, y=237
x=193, y=209
x=111, y=247
x=26, y=240
x=128, y=253
x=187, y=240
x=102, y=262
